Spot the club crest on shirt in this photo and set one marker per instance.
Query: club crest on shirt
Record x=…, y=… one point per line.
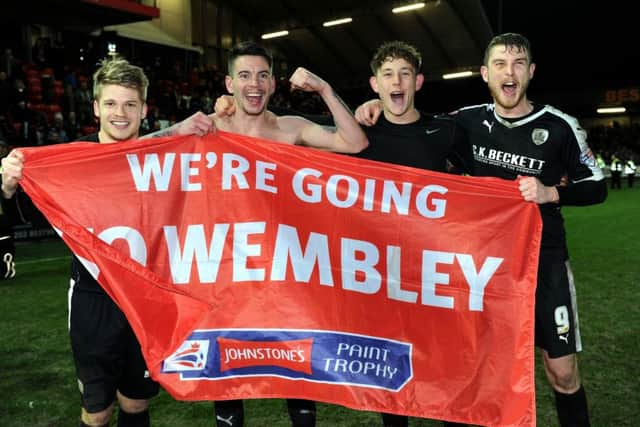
x=539, y=136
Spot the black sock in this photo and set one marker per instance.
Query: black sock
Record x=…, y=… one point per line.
x=302, y=412
x=572, y=409
x=139, y=419
x=393, y=420
x=229, y=413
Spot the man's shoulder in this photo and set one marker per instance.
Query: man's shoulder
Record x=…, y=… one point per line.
x=277, y=118
x=287, y=124
x=440, y=119
x=441, y=125
x=421, y=131
x=473, y=109
x=560, y=116
x=467, y=116
x=550, y=119
x=424, y=120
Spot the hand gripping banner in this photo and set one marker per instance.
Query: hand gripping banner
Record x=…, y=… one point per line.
x=253, y=269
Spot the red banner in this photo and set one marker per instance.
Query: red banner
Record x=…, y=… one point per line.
x=252, y=269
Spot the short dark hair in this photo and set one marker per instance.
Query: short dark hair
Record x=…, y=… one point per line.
x=396, y=50
x=249, y=48
x=510, y=41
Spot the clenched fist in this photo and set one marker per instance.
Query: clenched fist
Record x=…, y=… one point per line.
x=305, y=80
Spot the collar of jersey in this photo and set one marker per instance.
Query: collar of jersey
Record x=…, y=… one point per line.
x=526, y=119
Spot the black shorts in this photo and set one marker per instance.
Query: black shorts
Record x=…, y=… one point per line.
x=557, y=328
x=105, y=351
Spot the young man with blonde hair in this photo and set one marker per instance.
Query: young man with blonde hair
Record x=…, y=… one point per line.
x=109, y=363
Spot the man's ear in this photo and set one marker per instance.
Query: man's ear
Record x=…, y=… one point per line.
x=228, y=82
x=419, y=81
x=484, y=71
x=532, y=68
x=373, y=81
x=96, y=110
x=144, y=111
x=273, y=85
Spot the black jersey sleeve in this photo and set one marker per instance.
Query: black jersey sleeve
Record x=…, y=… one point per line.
x=587, y=185
x=583, y=193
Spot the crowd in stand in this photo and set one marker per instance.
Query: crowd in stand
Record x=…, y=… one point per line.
x=617, y=151
x=45, y=103
x=615, y=139
x=41, y=105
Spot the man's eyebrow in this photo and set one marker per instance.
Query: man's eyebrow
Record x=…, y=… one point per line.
x=400, y=69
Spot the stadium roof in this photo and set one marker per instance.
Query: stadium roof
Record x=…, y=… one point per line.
x=84, y=15
x=575, y=42
x=579, y=46
x=451, y=34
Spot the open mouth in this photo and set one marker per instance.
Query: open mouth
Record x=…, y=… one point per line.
x=509, y=88
x=255, y=99
x=397, y=97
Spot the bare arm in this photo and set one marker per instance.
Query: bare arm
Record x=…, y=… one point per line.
x=348, y=138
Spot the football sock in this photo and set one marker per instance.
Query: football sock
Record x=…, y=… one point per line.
x=572, y=409
x=229, y=413
x=302, y=412
x=393, y=420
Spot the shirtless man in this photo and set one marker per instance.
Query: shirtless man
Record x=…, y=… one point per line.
x=251, y=82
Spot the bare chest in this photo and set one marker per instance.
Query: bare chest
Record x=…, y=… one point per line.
x=272, y=133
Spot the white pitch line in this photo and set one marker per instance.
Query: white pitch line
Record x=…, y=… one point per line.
x=33, y=261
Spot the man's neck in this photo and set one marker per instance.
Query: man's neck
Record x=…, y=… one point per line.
x=250, y=124
x=410, y=116
x=103, y=138
x=523, y=108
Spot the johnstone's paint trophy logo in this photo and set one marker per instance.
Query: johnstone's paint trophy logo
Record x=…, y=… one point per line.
x=311, y=355
x=191, y=356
